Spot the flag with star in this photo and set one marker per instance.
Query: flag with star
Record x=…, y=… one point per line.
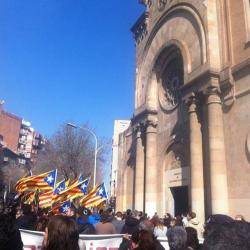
x=80, y=190
x=61, y=186
x=22, y=180
x=64, y=208
x=69, y=192
x=47, y=198
x=44, y=182
x=95, y=197
x=61, y=207
x=78, y=180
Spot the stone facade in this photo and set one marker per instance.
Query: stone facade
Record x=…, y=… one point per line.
x=189, y=136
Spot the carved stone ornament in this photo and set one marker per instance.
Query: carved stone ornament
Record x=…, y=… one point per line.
x=147, y=3
x=161, y=4
x=168, y=94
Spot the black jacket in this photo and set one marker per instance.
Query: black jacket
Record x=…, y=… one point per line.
x=131, y=225
x=86, y=229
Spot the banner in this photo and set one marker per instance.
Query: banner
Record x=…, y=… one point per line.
x=33, y=241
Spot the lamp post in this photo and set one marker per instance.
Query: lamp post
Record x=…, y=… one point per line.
x=96, y=143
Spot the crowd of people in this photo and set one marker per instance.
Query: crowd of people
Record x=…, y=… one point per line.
x=140, y=232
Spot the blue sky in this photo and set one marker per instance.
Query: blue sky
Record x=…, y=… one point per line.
x=63, y=60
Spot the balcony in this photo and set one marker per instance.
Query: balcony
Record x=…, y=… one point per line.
x=22, y=140
x=27, y=155
x=21, y=152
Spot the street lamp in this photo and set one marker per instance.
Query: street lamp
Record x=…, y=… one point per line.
x=96, y=143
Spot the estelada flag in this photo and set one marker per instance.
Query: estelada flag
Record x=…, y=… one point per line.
x=80, y=190
x=95, y=197
x=72, y=191
x=22, y=180
x=46, y=199
x=45, y=182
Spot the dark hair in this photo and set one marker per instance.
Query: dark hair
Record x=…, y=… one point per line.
x=10, y=237
x=105, y=217
x=119, y=214
x=110, y=210
x=128, y=212
x=177, y=238
x=62, y=234
x=41, y=224
x=227, y=236
x=192, y=238
x=147, y=241
x=26, y=208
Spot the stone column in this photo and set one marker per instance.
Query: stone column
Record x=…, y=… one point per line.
x=152, y=174
x=139, y=171
x=217, y=160
x=196, y=160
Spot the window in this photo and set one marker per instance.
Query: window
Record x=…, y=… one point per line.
x=247, y=18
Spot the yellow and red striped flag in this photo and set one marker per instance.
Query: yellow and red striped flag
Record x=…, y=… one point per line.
x=46, y=199
x=45, y=182
x=80, y=190
x=77, y=189
x=28, y=198
x=95, y=197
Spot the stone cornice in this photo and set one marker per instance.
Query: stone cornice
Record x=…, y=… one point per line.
x=142, y=115
x=241, y=67
x=140, y=28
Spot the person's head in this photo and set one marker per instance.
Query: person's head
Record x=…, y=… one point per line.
x=135, y=214
x=227, y=236
x=140, y=214
x=146, y=225
x=178, y=220
x=128, y=212
x=105, y=217
x=9, y=234
x=172, y=222
x=177, y=238
x=61, y=234
x=41, y=224
x=191, y=215
x=71, y=211
x=157, y=222
x=239, y=217
x=146, y=240
x=119, y=215
x=110, y=211
x=192, y=238
x=26, y=208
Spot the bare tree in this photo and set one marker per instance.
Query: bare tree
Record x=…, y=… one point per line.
x=71, y=151
x=11, y=173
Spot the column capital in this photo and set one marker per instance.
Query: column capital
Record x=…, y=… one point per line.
x=192, y=102
x=151, y=126
x=212, y=95
x=137, y=129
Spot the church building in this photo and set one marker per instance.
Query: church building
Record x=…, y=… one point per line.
x=188, y=144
